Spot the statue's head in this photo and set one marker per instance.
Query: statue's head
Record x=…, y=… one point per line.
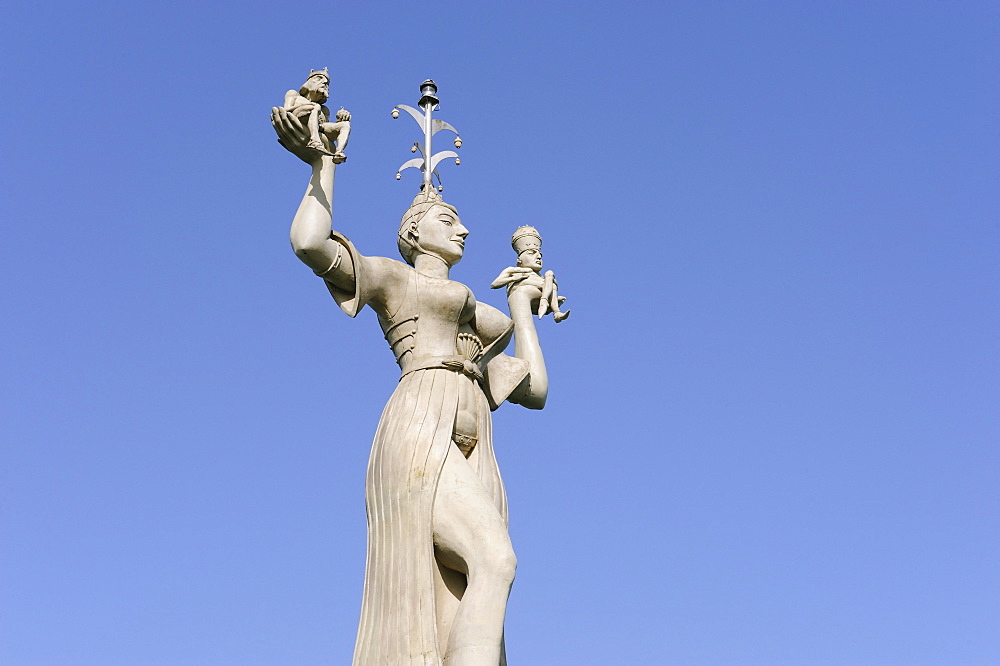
x=527, y=242
x=317, y=86
x=430, y=226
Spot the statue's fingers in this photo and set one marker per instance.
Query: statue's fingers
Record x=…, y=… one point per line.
x=287, y=126
x=280, y=121
x=280, y=115
x=296, y=125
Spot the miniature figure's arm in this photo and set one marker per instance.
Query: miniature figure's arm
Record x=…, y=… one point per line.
x=310, y=234
x=510, y=276
x=293, y=99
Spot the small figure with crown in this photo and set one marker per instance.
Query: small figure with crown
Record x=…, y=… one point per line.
x=527, y=243
x=308, y=103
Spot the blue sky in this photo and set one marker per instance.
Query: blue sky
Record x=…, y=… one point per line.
x=772, y=430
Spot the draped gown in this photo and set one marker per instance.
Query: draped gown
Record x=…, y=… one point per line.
x=405, y=594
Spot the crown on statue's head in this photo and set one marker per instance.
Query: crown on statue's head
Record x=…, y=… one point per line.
x=319, y=72
x=526, y=238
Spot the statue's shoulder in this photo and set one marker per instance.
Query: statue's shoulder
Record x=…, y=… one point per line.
x=375, y=279
x=387, y=280
x=377, y=268
x=384, y=268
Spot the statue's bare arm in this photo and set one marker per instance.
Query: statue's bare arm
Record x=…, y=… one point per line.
x=294, y=99
x=524, y=289
x=310, y=233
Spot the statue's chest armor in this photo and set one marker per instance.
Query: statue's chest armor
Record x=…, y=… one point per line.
x=444, y=302
x=432, y=313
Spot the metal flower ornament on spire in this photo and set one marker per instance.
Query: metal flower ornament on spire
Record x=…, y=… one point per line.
x=428, y=161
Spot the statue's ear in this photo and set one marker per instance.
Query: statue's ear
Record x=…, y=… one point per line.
x=413, y=229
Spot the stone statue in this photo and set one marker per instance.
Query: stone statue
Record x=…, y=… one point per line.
x=324, y=137
x=527, y=243
x=440, y=562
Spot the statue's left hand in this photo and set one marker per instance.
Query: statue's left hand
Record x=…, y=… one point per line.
x=294, y=136
x=527, y=289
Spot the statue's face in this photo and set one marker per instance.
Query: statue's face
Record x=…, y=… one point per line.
x=319, y=89
x=530, y=258
x=441, y=233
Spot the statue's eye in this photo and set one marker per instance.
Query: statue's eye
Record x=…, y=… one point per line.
x=447, y=221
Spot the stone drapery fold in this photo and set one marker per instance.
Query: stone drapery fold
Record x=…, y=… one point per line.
x=401, y=581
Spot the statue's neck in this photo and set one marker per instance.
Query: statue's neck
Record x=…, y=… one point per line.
x=432, y=266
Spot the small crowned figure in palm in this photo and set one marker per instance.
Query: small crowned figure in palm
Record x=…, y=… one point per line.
x=527, y=243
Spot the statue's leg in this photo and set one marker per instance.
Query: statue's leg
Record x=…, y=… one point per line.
x=313, y=125
x=343, y=131
x=547, y=288
x=340, y=132
x=556, y=300
x=470, y=537
x=313, y=122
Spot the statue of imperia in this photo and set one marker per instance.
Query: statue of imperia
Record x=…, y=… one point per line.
x=440, y=561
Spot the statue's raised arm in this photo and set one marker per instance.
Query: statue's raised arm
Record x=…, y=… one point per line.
x=311, y=226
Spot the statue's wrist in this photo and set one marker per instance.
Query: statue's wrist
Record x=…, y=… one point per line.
x=515, y=295
x=519, y=302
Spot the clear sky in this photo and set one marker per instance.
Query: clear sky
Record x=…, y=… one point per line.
x=772, y=431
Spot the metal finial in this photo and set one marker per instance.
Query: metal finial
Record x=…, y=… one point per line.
x=428, y=161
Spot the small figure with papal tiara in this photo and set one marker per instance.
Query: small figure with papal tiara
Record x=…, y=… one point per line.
x=527, y=243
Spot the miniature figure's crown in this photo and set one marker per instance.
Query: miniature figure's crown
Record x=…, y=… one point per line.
x=319, y=72
x=526, y=238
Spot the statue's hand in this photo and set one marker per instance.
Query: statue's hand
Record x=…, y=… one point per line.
x=528, y=289
x=521, y=283
x=294, y=136
x=512, y=275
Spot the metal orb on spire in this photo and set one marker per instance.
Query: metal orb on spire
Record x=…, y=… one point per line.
x=428, y=161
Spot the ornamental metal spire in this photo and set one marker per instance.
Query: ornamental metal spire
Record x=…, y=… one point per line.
x=428, y=161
